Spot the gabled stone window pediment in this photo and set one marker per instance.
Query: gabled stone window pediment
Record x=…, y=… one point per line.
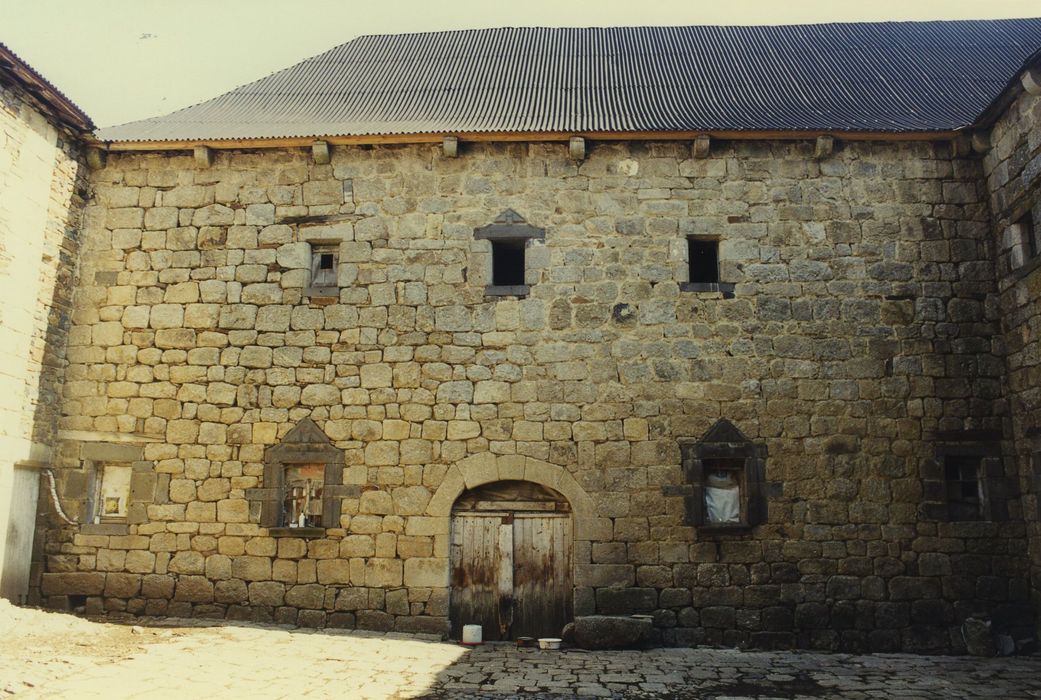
x=510, y=237
x=303, y=483
x=725, y=479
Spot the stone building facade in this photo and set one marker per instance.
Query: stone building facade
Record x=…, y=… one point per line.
x=42, y=181
x=864, y=369
x=1013, y=178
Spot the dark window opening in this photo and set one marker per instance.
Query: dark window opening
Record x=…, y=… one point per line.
x=964, y=488
x=703, y=259
x=323, y=267
x=508, y=262
x=1029, y=234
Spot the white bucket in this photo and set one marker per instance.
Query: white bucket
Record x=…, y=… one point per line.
x=471, y=635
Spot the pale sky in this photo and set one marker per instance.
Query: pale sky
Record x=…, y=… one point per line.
x=122, y=60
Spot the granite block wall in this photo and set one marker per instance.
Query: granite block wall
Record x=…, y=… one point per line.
x=862, y=340
x=1013, y=177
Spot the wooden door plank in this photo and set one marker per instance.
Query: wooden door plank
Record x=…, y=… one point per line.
x=542, y=575
x=474, y=597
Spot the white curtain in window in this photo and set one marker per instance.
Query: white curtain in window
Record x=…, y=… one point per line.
x=722, y=498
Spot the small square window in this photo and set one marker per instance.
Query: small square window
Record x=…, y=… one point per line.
x=302, y=495
x=703, y=260
x=508, y=262
x=112, y=496
x=964, y=487
x=324, y=262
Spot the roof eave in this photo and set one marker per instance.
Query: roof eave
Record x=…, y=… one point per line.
x=46, y=94
x=526, y=136
x=1012, y=90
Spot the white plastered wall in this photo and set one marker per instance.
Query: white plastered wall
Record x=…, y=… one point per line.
x=27, y=158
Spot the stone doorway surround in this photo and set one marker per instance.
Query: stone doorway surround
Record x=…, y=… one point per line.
x=485, y=468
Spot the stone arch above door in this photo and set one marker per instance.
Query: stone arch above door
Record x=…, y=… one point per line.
x=486, y=467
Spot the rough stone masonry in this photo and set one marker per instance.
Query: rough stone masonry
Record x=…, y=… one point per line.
x=866, y=337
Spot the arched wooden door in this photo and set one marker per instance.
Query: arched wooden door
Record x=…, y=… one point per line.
x=511, y=561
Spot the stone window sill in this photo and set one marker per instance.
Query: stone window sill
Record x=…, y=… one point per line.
x=724, y=288
x=724, y=528
x=507, y=290
x=322, y=292
x=307, y=533
x=1027, y=267
x=104, y=529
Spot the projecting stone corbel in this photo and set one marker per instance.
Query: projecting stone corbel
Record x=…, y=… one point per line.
x=450, y=146
x=577, y=148
x=95, y=158
x=1031, y=80
x=980, y=141
x=825, y=147
x=203, y=156
x=320, y=152
x=702, y=146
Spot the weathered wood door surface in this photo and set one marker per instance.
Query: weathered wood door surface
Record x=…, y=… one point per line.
x=511, y=574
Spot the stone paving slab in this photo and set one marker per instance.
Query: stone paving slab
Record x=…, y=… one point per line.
x=181, y=659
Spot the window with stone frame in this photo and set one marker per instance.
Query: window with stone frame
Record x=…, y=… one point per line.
x=967, y=481
x=115, y=487
x=703, y=267
x=510, y=237
x=964, y=487
x=303, y=484
x=725, y=480
x=1022, y=241
x=325, y=262
x=112, y=492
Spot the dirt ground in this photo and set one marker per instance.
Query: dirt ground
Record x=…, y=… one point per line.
x=36, y=645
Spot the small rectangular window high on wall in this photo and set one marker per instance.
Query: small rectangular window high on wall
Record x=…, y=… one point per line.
x=964, y=487
x=703, y=260
x=1029, y=235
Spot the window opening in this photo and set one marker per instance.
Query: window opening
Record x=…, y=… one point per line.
x=723, y=490
x=703, y=259
x=302, y=504
x=113, y=492
x=964, y=487
x=1029, y=235
x=323, y=266
x=508, y=262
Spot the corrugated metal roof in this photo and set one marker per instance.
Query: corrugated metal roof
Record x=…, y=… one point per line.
x=63, y=109
x=879, y=77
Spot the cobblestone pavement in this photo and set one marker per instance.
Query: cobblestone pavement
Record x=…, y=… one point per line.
x=184, y=660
